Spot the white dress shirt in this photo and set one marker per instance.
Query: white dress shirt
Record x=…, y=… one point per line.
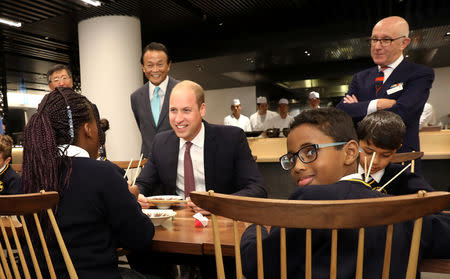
x=376, y=176
x=197, y=157
x=351, y=176
x=387, y=72
x=73, y=151
x=162, y=91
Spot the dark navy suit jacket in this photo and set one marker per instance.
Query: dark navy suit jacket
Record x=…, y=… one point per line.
x=140, y=104
x=228, y=162
x=416, y=81
x=406, y=183
x=435, y=242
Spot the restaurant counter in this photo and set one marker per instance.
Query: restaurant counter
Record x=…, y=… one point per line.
x=435, y=162
x=435, y=145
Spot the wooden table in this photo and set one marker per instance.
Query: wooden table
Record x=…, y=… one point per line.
x=180, y=236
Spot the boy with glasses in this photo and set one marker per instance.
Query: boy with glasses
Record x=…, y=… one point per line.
x=322, y=158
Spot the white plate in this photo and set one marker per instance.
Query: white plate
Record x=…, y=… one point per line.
x=165, y=201
x=159, y=216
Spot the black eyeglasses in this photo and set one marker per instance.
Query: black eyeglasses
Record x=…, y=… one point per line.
x=307, y=154
x=384, y=42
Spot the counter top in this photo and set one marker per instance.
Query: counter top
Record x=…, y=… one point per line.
x=435, y=145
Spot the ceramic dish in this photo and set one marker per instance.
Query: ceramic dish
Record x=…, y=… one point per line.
x=159, y=216
x=165, y=201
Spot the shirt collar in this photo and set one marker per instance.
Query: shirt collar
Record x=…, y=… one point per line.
x=73, y=151
x=377, y=176
x=162, y=86
x=199, y=139
x=394, y=64
x=4, y=166
x=351, y=176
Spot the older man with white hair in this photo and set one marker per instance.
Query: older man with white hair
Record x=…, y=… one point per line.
x=236, y=118
x=261, y=119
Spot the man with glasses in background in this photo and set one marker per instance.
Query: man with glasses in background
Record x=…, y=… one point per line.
x=394, y=84
x=59, y=76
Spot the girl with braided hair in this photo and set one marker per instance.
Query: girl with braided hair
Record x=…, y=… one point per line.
x=96, y=212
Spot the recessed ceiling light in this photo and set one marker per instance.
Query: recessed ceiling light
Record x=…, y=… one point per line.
x=447, y=34
x=10, y=22
x=306, y=52
x=309, y=54
x=92, y=2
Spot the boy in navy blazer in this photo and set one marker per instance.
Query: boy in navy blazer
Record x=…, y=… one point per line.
x=382, y=133
x=322, y=158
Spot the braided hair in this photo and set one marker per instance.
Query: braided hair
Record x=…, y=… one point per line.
x=56, y=122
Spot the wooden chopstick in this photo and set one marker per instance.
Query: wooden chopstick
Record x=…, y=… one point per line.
x=400, y=172
x=370, y=167
x=129, y=165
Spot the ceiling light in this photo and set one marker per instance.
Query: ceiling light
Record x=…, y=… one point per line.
x=10, y=22
x=92, y=2
x=306, y=52
x=447, y=34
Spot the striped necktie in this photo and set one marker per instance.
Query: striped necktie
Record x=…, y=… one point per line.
x=379, y=79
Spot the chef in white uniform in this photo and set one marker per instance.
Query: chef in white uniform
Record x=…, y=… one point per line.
x=314, y=100
x=283, y=119
x=261, y=119
x=236, y=118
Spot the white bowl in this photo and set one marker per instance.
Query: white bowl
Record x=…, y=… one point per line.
x=165, y=201
x=159, y=216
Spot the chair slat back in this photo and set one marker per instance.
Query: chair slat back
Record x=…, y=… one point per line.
x=333, y=214
x=134, y=164
x=29, y=204
x=407, y=157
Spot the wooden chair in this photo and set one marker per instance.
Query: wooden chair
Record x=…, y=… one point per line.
x=334, y=215
x=406, y=157
x=29, y=204
x=135, y=167
x=134, y=164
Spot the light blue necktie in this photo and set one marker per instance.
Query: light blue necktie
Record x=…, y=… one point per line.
x=155, y=105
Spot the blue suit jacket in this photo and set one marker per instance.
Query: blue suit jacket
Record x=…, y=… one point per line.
x=416, y=81
x=140, y=104
x=228, y=162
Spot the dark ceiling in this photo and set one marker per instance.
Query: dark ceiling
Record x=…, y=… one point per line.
x=225, y=43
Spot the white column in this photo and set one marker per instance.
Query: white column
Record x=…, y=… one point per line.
x=110, y=51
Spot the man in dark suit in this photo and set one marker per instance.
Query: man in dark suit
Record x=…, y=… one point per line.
x=219, y=156
x=151, y=110
x=394, y=84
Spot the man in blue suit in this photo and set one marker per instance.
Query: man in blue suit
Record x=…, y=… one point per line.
x=150, y=103
x=394, y=84
x=219, y=156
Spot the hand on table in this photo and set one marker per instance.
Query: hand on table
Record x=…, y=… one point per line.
x=385, y=103
x=350, y=99
x=143, y=201
x=195, y=208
